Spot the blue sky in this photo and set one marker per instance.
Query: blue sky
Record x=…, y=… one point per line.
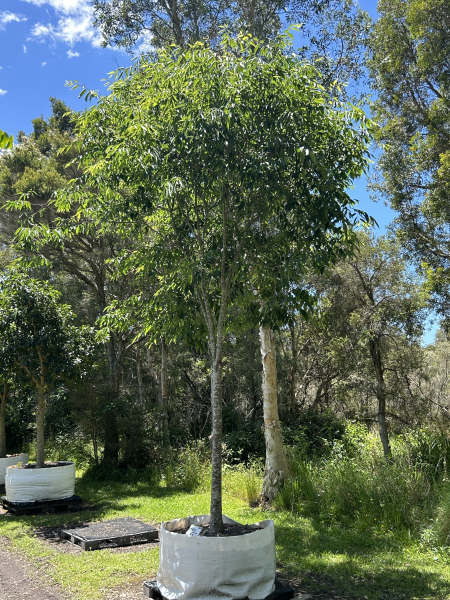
x=44, y=43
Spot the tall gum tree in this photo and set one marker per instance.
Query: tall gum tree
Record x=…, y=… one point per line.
x=409, y=54
x=221, y=149
x=389, y=309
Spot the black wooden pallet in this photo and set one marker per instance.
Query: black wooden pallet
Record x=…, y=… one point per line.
x=22, y=508
x=118, y=532
x=281, y=591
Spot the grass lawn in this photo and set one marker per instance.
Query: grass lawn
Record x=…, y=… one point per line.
x=330, y=561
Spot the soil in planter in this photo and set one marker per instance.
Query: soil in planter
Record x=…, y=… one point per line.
x=47, y=465
x=229, y=529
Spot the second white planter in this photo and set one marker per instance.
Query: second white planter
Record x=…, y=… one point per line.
x=212, y=568
x=34, y=485
x=8, y=461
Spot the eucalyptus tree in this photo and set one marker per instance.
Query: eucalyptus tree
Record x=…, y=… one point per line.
x=387, y=309
x=161, y=22
x=333, y=31
x=203, y=153
x=39, y=341
x=409, y=66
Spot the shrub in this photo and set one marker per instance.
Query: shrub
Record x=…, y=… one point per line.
x=245, y=445
x=313, y=433
x=188, y=468
x=354, y=484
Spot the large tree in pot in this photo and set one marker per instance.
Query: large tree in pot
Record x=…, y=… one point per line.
x=204, y=154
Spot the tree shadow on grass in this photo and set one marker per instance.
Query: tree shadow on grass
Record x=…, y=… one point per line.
x=355, y=564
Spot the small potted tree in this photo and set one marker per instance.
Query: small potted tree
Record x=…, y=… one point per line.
x=41, y=344
x=221, y=151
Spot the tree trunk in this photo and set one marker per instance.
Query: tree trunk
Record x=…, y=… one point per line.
x=139, y=373
x=95, y=442
x=275, y=458
x=40, y=414
x=216, y=524
x=294, y=369
x=3, y=421
x=112, y=439
x=151, y=369
x=375, y=352
x=164, y=393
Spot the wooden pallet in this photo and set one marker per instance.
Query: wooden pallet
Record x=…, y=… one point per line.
x=23, y=508
x=281, y=592
x=118, y=532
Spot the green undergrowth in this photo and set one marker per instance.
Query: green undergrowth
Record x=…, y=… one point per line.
x=354, y=561
x=348, y=523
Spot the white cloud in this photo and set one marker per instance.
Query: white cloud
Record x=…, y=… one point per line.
x=74, y=23
x=71, y=54
x=145, y=44
x=3, y=92
x=63, y=6
x=24, y=48
x=43, y=64
x=7, y=17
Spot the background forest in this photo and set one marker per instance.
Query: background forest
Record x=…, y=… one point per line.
x=363, y=403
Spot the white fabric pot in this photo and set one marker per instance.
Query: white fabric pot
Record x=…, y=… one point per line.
x=209, y=568
x=8, y=462
x=33, y=485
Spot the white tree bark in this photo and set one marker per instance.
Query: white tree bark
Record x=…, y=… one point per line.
x=275, y=458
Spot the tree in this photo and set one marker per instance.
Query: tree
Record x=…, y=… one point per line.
x=182, y=23
x=409, y=57
x=333, y=31
x=35, y=169
x=387, y=309
x=38, y=340
x=6, y=383
x=221, y=148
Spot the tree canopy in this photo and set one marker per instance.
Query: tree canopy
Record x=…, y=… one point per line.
x=224, y=156
x=409, y=58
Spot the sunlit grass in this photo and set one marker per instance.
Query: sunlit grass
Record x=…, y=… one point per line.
x=354, y=561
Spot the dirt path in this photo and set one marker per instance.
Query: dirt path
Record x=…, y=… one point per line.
x=19, y=580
